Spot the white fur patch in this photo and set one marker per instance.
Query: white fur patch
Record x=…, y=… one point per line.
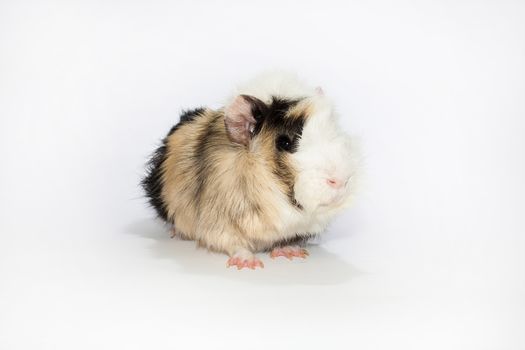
x=325, y=152
x=274, y=83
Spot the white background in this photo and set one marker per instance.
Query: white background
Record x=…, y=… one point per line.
x=431, y=256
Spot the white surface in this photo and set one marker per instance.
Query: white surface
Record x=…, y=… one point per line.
x=431, y=257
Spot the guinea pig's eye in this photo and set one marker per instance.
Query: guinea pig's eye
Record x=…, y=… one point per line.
x=284, y=143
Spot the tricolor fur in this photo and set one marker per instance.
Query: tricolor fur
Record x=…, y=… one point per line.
x=271, y=167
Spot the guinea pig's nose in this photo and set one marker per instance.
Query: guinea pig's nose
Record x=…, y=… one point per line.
x=335, y=183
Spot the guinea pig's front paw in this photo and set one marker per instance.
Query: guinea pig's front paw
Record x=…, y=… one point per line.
x=289, y=252
x=244, y=260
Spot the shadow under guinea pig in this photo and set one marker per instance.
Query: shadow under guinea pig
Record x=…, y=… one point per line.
x=321, y=267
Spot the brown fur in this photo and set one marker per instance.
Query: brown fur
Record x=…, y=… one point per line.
x=222, y=194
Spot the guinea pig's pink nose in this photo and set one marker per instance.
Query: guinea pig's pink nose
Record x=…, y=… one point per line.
x=335, y=182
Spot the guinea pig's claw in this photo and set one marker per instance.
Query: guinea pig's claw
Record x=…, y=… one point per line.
x=251, y=263
x=289, y=252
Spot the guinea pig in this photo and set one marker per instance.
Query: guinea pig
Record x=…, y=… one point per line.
x=264, y=173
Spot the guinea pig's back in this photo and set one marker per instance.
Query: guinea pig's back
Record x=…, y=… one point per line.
x=179, y=169
x=198, y=151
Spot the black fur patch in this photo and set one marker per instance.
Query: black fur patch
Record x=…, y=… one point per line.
x=185, y=117
x=152, y=182
x=299, y=239
x=273, y=118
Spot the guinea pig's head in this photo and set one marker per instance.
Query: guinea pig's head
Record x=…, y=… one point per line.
x=301, y=141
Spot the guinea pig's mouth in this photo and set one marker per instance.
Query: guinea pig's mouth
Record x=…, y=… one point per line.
x=338, y=199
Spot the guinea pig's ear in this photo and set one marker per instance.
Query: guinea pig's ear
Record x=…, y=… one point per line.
x=241, y=116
